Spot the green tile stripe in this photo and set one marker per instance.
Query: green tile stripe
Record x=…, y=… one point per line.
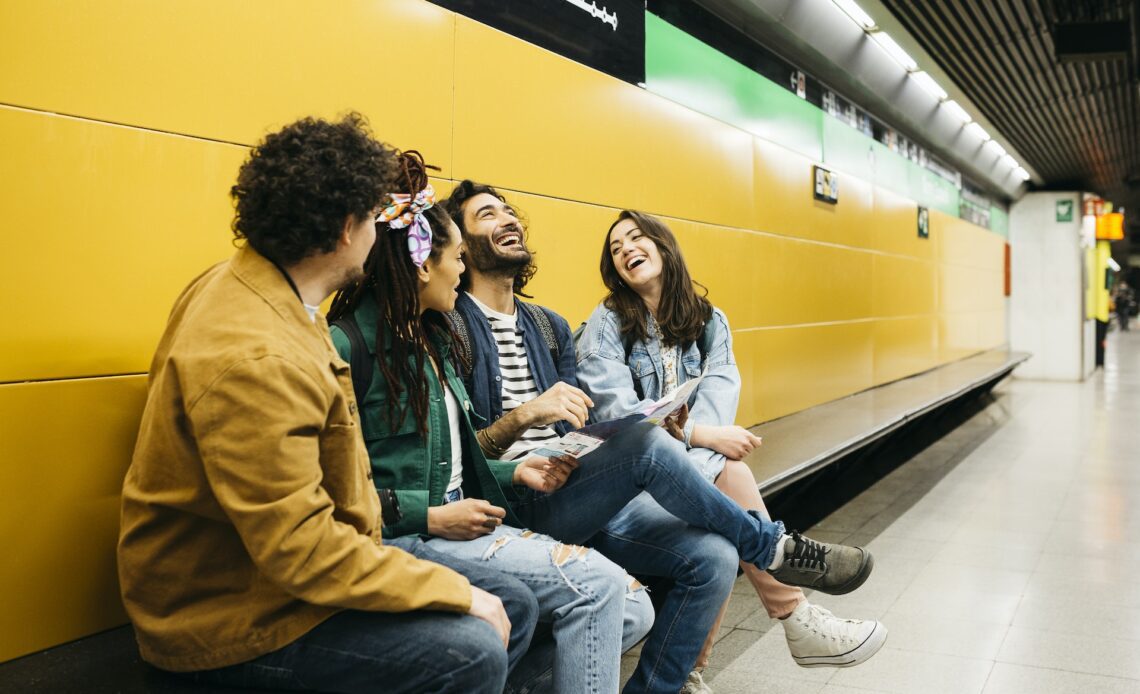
x=683, y=69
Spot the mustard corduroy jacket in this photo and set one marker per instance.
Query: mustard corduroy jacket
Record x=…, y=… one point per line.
x=248, y=513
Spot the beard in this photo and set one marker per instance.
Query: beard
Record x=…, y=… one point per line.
x=351, y=276
x=484, y=257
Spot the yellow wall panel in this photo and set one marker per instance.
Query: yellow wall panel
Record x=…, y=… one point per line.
x=904, y=286
x=106, y=225
x=962, y=243
x=234, y=70
x=786, y=370
x=530, y=120
x=66, y=448
x=904, y=346
x=967, y=289
x=784, y=202
x=963, y=334
x=896, y=227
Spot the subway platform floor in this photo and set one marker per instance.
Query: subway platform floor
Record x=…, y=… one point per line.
x=1007, y=555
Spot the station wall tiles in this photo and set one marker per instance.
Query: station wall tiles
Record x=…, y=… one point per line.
x=964, y=334
x=904, y=346
x=688, y=71
x=190, y=67
x=107, y=225
x=965, y=289
x=896, y=227
x=529, y=120
x=792, y=368
x=904, y=286
x=784, y=203
x=67, y=445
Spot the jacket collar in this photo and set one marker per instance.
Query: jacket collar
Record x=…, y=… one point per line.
x=270, y=282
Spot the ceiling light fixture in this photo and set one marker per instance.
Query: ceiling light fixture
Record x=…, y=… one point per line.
x=856, y=13
x=978, y=131
x=927, y=82
x=955, y=108
x=894, y=50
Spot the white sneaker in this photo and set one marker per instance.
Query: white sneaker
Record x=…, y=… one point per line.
x=818, y=638
x=695, y=684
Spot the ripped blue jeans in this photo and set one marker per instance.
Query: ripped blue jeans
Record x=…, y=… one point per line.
x=595, y=609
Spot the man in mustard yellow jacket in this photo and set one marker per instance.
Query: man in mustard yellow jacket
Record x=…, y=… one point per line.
x=250, y=551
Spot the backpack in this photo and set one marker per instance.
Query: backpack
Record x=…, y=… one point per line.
x=360, y=361
x=463, y=344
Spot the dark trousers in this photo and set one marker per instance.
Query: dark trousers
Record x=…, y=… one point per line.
x=421, y=651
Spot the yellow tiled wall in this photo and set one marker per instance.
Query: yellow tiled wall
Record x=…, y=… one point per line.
x=124, y=122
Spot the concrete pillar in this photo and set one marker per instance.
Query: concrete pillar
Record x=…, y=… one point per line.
x=1049, y=286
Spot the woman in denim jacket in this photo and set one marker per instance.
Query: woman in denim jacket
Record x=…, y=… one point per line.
x=652, y=333
x=415, y=419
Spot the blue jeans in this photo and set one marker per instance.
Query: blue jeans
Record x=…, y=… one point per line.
x=689, y=531
x=357, y=651
x=586, y=598
x=647, y=539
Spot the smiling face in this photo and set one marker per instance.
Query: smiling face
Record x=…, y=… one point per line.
x=439, y=276
x=635, y=257
x=496, y=240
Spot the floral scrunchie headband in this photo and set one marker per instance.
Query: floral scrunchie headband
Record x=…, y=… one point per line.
x=402, y=212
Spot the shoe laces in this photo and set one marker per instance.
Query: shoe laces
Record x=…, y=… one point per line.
x=695, y=684
x=808, y=554
x=821, y=621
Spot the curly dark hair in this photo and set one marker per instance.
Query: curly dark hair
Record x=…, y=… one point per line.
x=301, y=184
x=463, y=192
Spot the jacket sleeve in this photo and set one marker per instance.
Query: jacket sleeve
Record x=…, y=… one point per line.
x=718, y=395
x=602, y=369
x=270, y=457
x=567, y=360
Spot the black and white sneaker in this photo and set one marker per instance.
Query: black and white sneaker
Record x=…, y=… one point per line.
x=833, y=569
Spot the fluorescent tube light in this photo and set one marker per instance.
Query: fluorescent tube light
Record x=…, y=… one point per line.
x=978, y=131
x=997, y=147
x=895, y=51
x=955, y=108
x=856, y=13
x=1021, y=173
x=927, y=82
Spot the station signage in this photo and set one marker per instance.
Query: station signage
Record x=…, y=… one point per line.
x=607, y=35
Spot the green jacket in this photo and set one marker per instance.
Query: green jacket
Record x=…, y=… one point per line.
x=418, y=467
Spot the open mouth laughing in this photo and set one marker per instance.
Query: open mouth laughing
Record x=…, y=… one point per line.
x=509, y=239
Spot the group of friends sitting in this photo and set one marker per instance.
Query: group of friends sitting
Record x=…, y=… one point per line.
x=291, y=523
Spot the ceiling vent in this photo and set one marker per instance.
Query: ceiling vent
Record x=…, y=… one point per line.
x=1091, y=41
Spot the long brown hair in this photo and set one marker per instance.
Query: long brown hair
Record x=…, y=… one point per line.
x=391, y=280
x=683, y=312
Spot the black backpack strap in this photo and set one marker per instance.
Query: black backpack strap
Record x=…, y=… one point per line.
x=463, y=343
x=360, y=361
x=705, y=344
x=543, y=321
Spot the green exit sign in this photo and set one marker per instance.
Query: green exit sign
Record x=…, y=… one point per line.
x=1065, y=210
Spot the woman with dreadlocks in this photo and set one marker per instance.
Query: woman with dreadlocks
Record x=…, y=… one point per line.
x=416, y=422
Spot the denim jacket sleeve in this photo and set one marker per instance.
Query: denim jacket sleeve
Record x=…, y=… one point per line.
x=602, y=369
x=718, y=396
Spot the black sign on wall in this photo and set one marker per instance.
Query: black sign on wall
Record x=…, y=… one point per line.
x=607, y=35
